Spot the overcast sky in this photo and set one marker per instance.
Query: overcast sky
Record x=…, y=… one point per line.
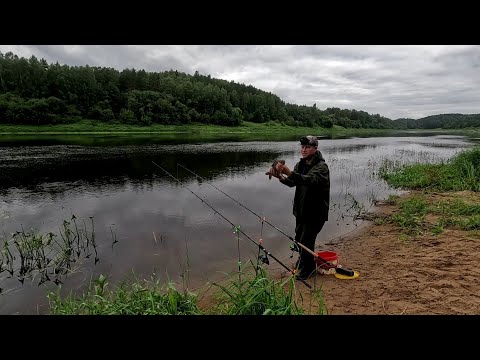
x=394, y=81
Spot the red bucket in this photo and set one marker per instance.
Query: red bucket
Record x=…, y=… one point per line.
x=329, y=256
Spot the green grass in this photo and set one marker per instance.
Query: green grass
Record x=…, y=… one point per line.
x=139, y=298
x=452, y=214
x=411, y=215
x=455, y=207
x=95, y=127
x=91, y=126
x=49, y=257
x=253, y=293
x=461, y=173
x=457, y=213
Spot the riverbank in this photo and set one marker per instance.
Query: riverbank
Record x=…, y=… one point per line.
x=422, y=272
x=95, y=127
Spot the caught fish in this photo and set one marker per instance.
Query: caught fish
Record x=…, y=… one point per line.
x=273, y=170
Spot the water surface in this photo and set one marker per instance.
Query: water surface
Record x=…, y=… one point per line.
x=45, y=180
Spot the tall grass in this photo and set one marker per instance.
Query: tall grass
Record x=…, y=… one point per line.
x=257, y=294
x=460, y=173
x=254, y=293
x=137, y=298
x=49, y=257
x=451, y=213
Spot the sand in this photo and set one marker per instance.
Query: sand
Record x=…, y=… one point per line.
x=421, y=275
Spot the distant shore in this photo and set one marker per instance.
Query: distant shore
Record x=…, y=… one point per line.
x=95, y=127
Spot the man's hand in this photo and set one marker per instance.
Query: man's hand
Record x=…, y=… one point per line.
x=273, y=170
x=275, y=173
x=281, y=168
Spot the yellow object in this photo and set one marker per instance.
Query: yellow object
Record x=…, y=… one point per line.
x=344, y=277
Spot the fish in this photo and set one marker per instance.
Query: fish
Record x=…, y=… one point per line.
x=273, y=170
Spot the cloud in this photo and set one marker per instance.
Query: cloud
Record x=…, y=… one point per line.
x=393, y=81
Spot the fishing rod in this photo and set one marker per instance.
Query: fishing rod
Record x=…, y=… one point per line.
x=340, y=270
x=267, y=253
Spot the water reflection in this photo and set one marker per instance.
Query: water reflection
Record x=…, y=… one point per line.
x=107, y=140
x=55, y=167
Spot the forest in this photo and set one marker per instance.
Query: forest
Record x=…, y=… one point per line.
x=34, y=92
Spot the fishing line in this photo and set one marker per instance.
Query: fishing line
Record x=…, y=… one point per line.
x=325, y=263
x=236, y=228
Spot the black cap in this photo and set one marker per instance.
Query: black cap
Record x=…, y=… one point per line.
x=309, y=140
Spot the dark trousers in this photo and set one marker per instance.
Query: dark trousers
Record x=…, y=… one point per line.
x=306, y=234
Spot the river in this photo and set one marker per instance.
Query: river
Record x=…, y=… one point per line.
x=146, y=223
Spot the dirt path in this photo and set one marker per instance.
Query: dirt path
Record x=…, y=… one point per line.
x=427, y=274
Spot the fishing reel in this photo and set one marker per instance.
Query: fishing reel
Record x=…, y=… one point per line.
x=264, y=259
x=294, y=247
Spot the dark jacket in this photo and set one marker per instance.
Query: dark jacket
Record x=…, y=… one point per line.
x=312, y=193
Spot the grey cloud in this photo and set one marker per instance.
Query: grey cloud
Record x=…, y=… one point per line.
x=393, y=81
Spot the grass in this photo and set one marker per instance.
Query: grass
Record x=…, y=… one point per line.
x=138, y=298
x=254, y=293
x=87, y=126
x=30, y=254
x=257, y=294
x=452, y=213
x=91, y=126
x=461, y=173
x=423, y=212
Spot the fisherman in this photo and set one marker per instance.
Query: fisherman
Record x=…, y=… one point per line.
x=311, y=177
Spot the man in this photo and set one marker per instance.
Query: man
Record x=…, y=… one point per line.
x=311, y=177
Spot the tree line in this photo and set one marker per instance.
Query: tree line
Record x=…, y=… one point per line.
x=33, y=91
x=443, y=121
